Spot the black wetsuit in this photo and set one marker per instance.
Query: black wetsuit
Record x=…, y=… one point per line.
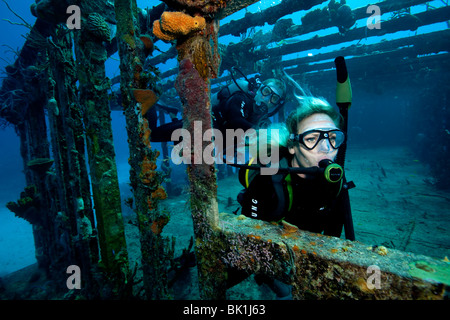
x=237, y=112
x=234, y=113
x=312, y=204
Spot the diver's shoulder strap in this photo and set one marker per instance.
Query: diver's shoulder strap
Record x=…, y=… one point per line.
x=281, y=183
x=282, y=187
x=290, y=191
x=246, y=175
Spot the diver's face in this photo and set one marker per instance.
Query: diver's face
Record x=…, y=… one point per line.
x=267, y=97
x=323, y=150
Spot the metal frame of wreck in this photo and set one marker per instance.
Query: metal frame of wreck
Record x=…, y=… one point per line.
x=316, y=265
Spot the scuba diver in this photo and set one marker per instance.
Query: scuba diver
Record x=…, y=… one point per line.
x=250, y=105
x=244, y=104
x=309, y=190
x=306, y=199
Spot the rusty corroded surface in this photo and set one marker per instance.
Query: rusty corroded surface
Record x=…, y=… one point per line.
x=203, y=7
x=322, y=267
x=144, y=178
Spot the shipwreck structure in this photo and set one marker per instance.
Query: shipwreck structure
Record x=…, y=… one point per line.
x=75, y=210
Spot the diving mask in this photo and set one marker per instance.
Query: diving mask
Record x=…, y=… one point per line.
x=275, y=98
x=311, y=138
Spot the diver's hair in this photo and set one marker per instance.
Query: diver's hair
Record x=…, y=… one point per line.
x=309, y=106
x=277, y=83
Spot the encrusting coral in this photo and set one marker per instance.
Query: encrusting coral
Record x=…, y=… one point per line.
x=146, y=97
x=40, y=165
x=173, y=25
x=158, y=225
x=27, y=207
x=148, y=43
x=98, y=27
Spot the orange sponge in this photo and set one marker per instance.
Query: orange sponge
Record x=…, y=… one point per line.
x=172, y=25
x=161, y=35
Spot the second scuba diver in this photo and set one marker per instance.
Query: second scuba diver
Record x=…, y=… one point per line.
x=243, y=105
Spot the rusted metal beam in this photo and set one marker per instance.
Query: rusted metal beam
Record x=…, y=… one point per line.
x=322, y=21
x=234, y=6
x=322, y=267
x=270, y=15
x=144, y=178
x=419, y=45
x=198, y=64
x=71, y=187
x=412, y=70
x=405, y=22
x=209, y=8
x=91, y=57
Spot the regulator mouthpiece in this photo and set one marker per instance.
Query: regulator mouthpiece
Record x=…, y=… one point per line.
x=332, y=171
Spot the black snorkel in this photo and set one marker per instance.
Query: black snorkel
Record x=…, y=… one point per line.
x=343, y=101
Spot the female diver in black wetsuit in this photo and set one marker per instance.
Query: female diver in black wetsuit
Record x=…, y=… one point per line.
x=309, y=190
x=313, y=202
